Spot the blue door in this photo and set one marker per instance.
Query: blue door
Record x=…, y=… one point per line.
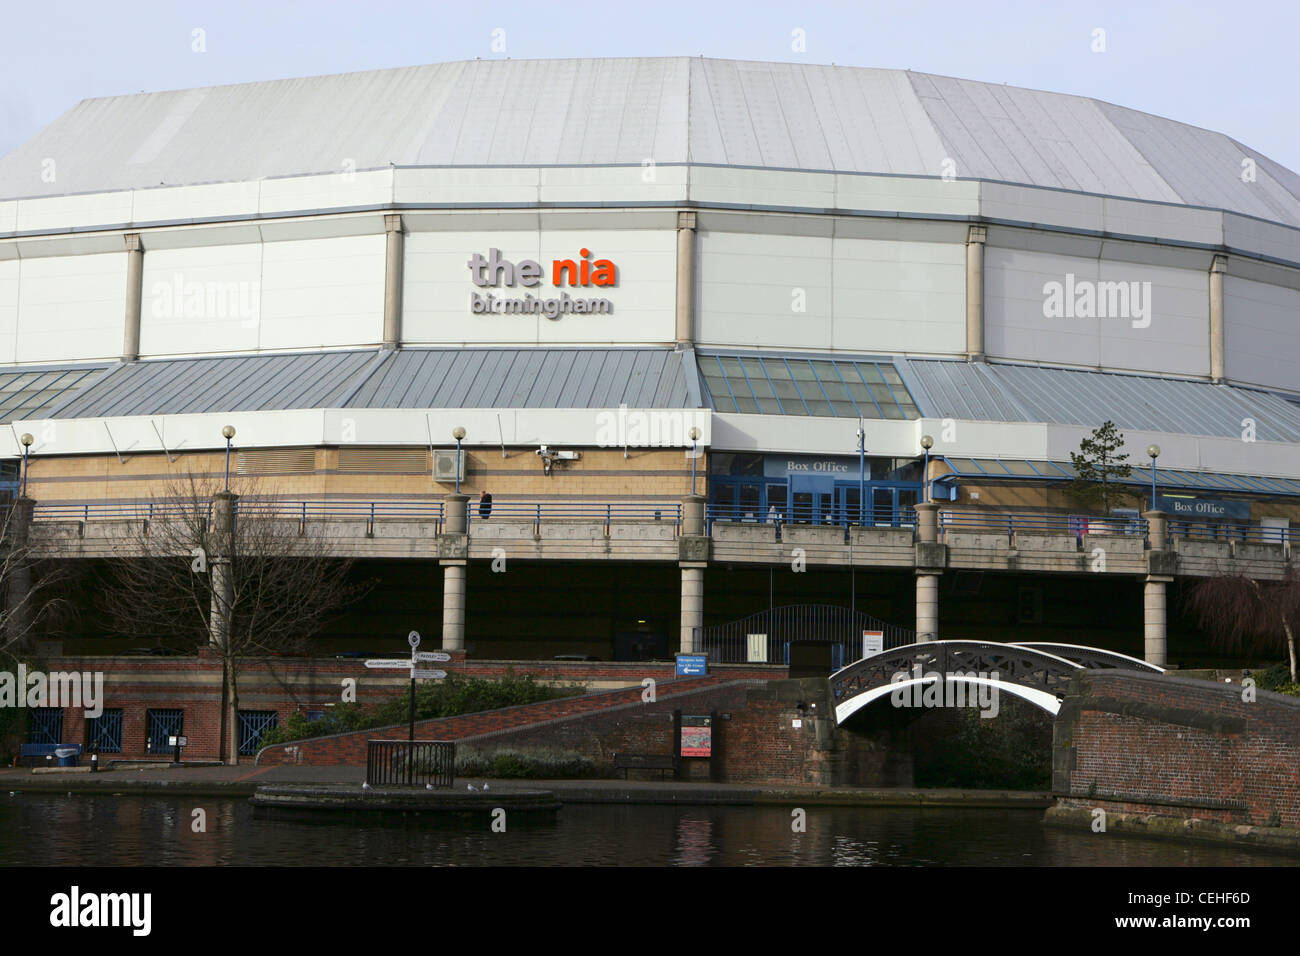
x=812, y=499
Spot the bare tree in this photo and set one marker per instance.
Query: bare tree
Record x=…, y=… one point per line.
x=1247, y=616
x=235, y=572
x=29, y=584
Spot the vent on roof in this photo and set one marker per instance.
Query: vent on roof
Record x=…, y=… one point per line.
x=277, y=461
x=391, y=461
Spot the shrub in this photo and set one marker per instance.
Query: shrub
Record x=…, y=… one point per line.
x=452, y=697
x=537, y=764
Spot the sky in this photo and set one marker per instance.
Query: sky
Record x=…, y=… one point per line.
x=1232, y=68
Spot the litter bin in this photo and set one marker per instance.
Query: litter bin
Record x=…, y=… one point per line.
x=67, y=756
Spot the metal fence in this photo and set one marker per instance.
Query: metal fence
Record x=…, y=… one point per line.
x=104, y=733
x=766, y=636
x=253, y=724
x=1233, y=531
x=404, y=763
x=845, y=518
x=1008, y=523
x=606, y=512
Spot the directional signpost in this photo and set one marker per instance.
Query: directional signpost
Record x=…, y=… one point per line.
x=412, y=664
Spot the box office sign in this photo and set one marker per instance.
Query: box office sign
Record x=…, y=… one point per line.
x=493, y=271
x=697, y=736
x=1200, y=509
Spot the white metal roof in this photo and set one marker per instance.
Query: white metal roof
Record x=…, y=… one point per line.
x=669, y=110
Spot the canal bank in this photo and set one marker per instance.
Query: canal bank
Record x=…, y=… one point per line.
x=244, y=781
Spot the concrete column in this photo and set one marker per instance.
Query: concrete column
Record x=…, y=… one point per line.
x=927, y=607
x=1157, y=530
x=927, y=580
x=1217, y=269
x=692, y=608
x=134, y=295
x=455, y=522
x=223, y=584
x=456, y=514
x=1153, y=612
x=453, y=605
x=927, y=522
x=393, y=254
x=975, y=239
x=19, y=596
x=693, y=515
x=685, y=278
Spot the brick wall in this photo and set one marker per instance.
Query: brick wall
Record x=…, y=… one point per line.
x=1168, y=745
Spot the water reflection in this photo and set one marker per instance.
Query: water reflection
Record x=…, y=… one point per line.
x=43, y=829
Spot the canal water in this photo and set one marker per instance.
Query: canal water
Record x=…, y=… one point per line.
x=45, y=829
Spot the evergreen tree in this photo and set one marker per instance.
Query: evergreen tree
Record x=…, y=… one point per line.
x=1100, y=466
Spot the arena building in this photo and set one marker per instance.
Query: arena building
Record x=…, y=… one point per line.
x=694, y=319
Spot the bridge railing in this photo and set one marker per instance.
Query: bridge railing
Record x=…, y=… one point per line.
x=1009, y=523
x=884, y=517
x=606, y=512
x=1232, y=531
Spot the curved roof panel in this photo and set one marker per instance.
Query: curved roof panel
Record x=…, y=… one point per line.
x=671, y=110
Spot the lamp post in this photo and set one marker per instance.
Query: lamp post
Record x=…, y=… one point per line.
x=862, y=472
x=927, y=443
x=27, y=440
x=458, y=433
x=228, y=433
x=695, y=437
x=1154, y=452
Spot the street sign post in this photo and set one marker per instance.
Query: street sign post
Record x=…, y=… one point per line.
x=418, y=674
x=414, y=640
x=432, y=657
x=390, y=663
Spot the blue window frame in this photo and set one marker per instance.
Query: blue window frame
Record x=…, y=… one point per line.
x=252, y=725
x=161, y=724
x=46, y=725
x=104, y=733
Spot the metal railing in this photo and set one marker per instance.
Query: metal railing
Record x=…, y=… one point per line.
x=766, y=636
x=1009, y=523
x=1232, y=531
x=842, y=517
x=409, y=763
x=606, y=512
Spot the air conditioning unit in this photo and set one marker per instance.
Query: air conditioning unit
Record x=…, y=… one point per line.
x=448, y=465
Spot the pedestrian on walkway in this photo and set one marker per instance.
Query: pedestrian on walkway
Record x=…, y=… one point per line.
x=484, y=505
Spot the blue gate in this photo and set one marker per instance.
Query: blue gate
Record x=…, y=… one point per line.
x=161, y=725
x=46, y=726
x=252, y=725
x=104, y=733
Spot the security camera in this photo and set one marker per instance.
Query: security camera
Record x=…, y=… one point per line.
x=544, y=451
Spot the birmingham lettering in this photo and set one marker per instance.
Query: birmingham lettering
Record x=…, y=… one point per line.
x=492, y=271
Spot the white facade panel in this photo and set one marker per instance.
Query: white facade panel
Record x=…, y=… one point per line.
x=1130, y=217
x=8, y=216
x=9, y=269
x=764, y=290
x=73, y=212
x=907, y=194
x=1160, y=324
x=71, y=308
x=322, y=293
x=1048, y=207
x=195, y=202
x=761, y=187
x=466, y=186
x=814, y=292
x=899, y=296
x=1265, y=238
x=438, y=287
x=1261, y=333
x=206, y=299
x=648, y=182
x=340, y=190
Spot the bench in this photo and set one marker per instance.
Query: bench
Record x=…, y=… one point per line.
x=33, y=755
x=660, y=762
